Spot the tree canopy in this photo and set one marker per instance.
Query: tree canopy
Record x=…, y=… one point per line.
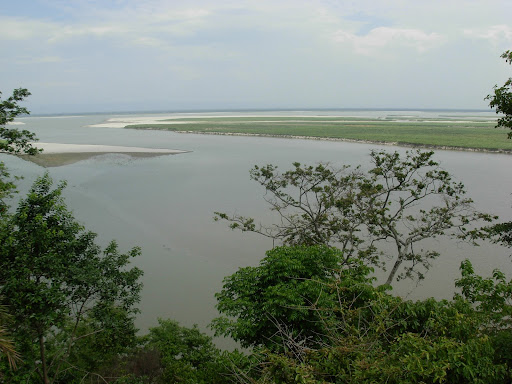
x=12, y=140
x=337, y=327
x=401, y=200
x=501, y=99
x=54, y=278
x=289, y=282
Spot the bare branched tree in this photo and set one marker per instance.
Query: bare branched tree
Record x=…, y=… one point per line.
x=401, y=200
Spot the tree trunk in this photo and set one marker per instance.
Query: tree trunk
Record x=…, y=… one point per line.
x=43, y=360
x=392, y=274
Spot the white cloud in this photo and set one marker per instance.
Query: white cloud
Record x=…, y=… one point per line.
x=57, y=84
x=69, y=32
x=39, y=60
x=297, y=51
x=495, y=34
x=185, y=73
x=150, y=42
x=179, y=15
x=25, y=29
x=385, y=37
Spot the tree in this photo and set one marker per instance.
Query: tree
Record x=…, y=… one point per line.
x=401, y=200
x=12, y=140
x=6, y=344
x=172, y=353
x=501, y=100
x=186, y=355
x=502, y=233
x=289, y=293
x=364, y=334
x=54, y=279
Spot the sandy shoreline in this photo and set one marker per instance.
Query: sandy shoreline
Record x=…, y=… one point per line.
x=58, y=154
x=93, y=148
x=122, y=122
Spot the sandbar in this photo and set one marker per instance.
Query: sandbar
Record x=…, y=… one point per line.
x=58, y=154
x=121, y=122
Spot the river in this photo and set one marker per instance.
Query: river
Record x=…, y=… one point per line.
x=165, y=205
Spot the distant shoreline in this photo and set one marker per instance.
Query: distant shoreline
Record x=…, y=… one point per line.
x=249, y=110
x=426, y=129
x=457, y=132
x=355, y=141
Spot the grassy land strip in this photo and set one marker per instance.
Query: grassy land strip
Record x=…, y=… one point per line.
x=480, y=135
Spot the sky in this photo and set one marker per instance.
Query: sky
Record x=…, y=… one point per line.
x=149, y=55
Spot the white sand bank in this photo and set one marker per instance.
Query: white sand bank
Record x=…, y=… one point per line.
x=58, y=154
x=50, y=148
x=121, y=122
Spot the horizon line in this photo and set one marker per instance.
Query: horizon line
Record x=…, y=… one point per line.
x=219, y=110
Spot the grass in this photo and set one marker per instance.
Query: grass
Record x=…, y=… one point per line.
x=450, y=132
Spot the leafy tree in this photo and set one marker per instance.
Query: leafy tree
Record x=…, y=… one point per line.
x=171, y=353
x=7, y=188
x=501, y=100
x=401, y=201
x=370, y=336
x=99, y=341
x=502, y=233
x=54, y=278
x=6, y=344
x=290, y=295
x=12, y=140
x=186, y=354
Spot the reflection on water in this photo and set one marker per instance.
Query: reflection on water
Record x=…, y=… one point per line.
x=165, y=205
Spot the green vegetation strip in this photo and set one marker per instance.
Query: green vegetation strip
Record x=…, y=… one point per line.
x=451, y=133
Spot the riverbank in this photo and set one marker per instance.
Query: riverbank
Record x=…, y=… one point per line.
x=452, y=132
x=357, y=141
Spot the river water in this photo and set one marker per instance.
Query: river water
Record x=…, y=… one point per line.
x=165, y=205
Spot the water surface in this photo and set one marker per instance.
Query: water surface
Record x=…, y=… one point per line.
x=165, y=205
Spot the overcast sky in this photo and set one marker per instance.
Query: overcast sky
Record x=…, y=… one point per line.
x=122, y=55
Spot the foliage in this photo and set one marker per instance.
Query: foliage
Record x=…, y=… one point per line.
x=401, y=200
x=7, y=188
x=99, y=341
x=371, y=336
x=502, y=233
x=171, y=353
x=54, y=279
x=281, y=292
x=6, y=344
x=491, y=297
x=186, y=354
x=501, y=100
x=12, y=140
